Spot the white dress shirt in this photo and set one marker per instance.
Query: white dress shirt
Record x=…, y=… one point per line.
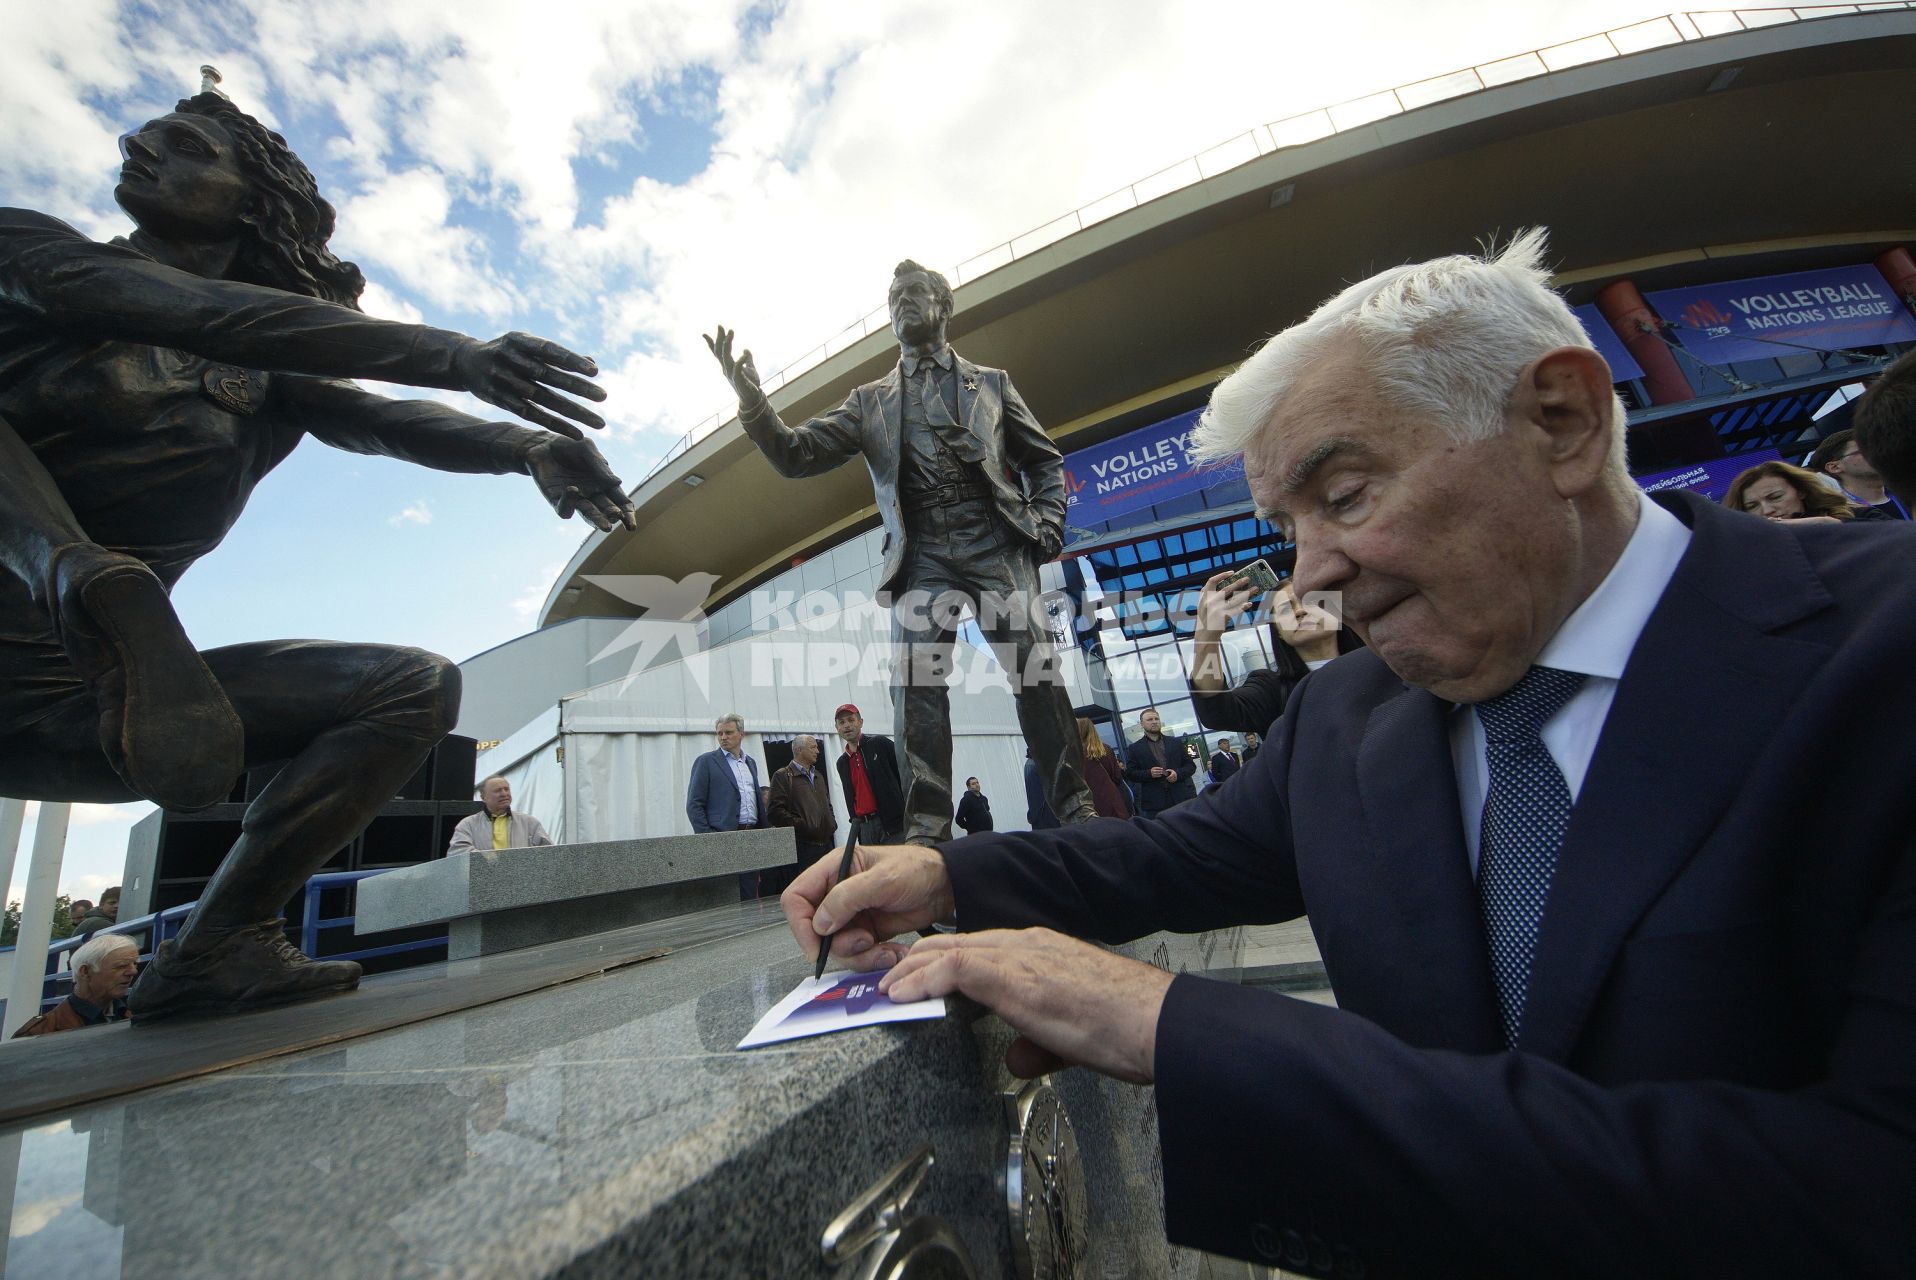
x=747, y=787
x=1595, y=640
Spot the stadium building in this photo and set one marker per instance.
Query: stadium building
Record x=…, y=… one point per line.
x=1729, y=212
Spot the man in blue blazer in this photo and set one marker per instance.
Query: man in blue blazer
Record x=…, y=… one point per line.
x=724, y=792
x=1606, y=840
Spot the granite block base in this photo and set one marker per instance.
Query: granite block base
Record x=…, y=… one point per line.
x=497, y=931
x=500, y=899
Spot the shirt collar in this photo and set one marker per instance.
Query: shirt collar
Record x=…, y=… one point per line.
x=941, y=357
x=494, y=817
x=1596, y=639
x=87, y=1009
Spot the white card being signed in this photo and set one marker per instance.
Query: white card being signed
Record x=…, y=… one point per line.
x=835, y=1002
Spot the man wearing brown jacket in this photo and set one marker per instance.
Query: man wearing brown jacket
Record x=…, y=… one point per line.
x=802, y=800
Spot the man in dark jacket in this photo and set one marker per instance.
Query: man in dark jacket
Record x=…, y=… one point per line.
x=99, y=917
x=1224, y=761
x=868, y=771
x=1158, y=768
x=974, y=811
x=801, y=799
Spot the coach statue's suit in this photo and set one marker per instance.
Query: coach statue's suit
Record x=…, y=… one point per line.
x=1718, y=1066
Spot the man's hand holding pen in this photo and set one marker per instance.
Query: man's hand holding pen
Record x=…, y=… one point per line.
x=1070, y=1001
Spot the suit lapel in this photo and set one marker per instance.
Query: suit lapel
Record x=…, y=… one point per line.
x=890, y=426
x=1698, y=699
x=1420, y=876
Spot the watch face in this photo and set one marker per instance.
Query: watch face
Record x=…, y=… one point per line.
x=1044, y=1188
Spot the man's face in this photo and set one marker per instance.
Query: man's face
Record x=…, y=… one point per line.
x=110, y=908
x=1454, y=560
x=117, y=974
x=1152, y=722
x=1223, y=744
x=918, y=311
x=181, y=179
x=805, y=751
x=1250, y=739
x=497, y=793
x=1853, y=466
x=111, y=980
x=971, y=785
x=729, y=736
x=850, y=726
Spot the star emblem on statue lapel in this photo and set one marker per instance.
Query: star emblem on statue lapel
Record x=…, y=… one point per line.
x=971, y=384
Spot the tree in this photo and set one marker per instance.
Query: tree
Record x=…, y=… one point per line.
x=62, y=921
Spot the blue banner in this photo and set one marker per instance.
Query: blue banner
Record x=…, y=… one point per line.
x=1774, y=316
x=1711, y=479
x=1151, y=464
x=1623, y=365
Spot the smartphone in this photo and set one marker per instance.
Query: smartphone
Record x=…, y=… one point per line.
x=1259, y=574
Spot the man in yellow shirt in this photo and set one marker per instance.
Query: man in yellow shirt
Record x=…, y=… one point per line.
x=498, y=827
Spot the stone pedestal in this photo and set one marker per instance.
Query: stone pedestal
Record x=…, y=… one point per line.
x=502, y=899
x=605, y=1127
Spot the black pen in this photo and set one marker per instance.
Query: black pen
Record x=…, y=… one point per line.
x=844, y=869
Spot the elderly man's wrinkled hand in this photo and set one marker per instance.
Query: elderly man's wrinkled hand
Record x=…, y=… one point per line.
x=1070, y=1002
x=892, y=889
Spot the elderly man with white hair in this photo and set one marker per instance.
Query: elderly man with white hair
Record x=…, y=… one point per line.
x=1613, y=1000
x=103, y=968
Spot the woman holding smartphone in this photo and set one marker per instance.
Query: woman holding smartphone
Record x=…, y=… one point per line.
x=1304, y=637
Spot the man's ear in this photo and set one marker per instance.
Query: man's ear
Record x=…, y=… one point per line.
x=1565, y=396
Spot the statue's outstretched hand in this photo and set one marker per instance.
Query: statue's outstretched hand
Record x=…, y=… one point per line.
x=574, y=476
x=520, y=373
x=740, y=372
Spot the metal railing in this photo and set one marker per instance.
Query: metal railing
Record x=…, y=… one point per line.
x=1298, y=130
x=151, y=930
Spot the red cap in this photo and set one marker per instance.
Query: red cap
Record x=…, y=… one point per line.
x=843, y=709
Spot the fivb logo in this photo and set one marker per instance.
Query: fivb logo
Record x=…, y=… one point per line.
x=672, y=623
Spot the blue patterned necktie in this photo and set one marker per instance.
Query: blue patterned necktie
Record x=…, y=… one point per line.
x=1526, y=809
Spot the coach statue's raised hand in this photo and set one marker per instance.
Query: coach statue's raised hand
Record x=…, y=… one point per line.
x=146, y=386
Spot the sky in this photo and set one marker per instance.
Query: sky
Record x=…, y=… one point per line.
x=622, y=175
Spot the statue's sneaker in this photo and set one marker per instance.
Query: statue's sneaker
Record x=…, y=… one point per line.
x=165, y=724
x=249, y=967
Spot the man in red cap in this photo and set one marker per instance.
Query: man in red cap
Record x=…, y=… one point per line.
x=868, y=771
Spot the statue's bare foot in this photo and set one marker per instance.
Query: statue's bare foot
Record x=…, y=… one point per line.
x=232, y=971
x=165, y=723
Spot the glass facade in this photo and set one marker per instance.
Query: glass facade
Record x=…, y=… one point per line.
x=1140, y=576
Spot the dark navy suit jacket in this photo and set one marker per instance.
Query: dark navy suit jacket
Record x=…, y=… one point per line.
x=1718, y=1067
x=712, y=798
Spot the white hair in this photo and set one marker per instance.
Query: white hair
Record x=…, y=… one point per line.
x=1444, y=339
x=94, y=953
x=730, y=717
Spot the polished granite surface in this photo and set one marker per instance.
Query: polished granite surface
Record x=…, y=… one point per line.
x=605, y=1127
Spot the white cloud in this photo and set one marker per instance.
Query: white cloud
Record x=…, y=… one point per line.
x=106, y=815
x=417, y=513
x=526, y=605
